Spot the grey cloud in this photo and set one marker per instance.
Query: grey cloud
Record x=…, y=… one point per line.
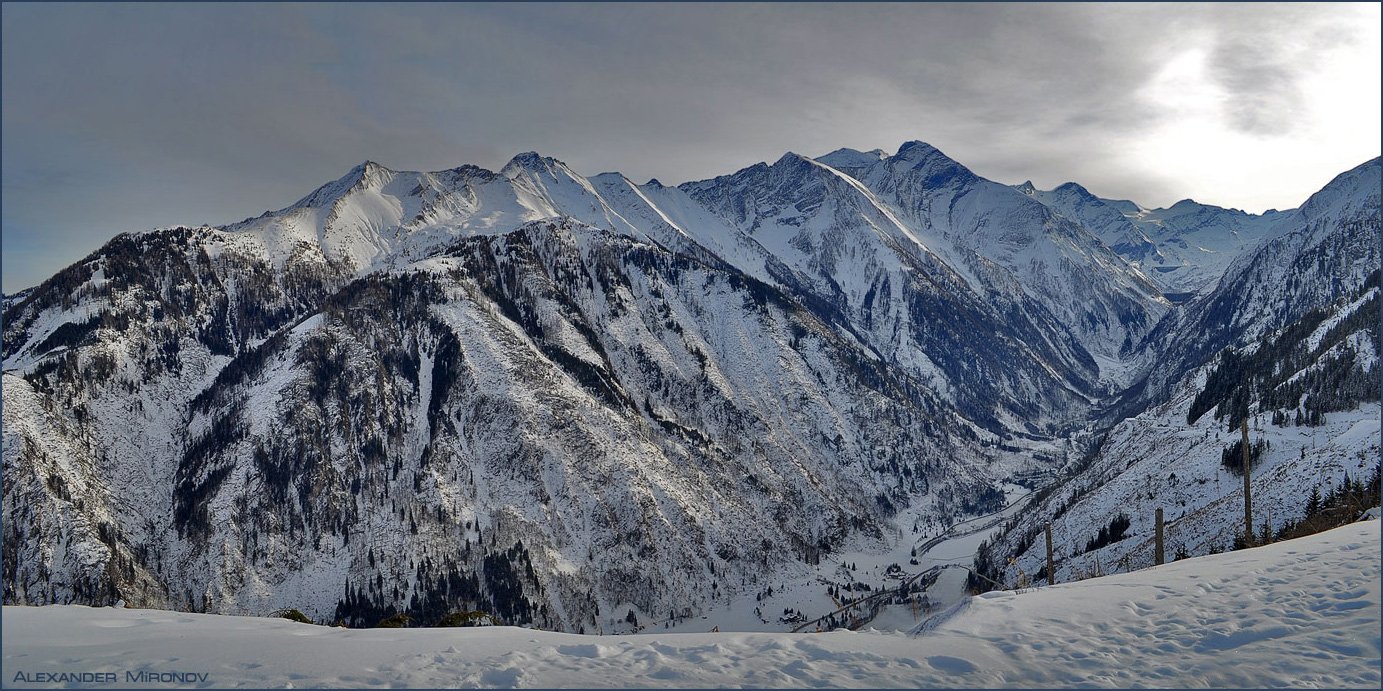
x=1262, y=94
x=171, y=113
x=1260, y=60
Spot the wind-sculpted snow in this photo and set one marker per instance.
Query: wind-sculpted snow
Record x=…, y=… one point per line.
x=1303, y=613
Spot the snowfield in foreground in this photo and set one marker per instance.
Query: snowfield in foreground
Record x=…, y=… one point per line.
x=1302, y=613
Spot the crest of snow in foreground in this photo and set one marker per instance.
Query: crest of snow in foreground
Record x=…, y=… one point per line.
x=1300, y=613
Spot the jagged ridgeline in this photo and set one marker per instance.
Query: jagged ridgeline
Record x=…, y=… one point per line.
x=539, y=398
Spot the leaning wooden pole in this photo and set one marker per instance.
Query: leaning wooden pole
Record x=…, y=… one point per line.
x=1159, y=557
x=1248, y=490
x=1051, y=563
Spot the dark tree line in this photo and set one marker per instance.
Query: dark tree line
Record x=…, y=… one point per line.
x=1284, y=375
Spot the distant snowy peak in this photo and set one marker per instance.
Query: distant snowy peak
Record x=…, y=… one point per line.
x=848, y=159
x=1107, y=219
x=1004, y=242
x=1185, y=247
x=937, y=169
x=374, y=217
x=918, y=150
x=533, y=164
x=788, y=192
x=360, y=176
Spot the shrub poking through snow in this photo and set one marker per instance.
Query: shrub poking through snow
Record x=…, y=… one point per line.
x=396, y=621
x=1109, y=534
x=471, y=618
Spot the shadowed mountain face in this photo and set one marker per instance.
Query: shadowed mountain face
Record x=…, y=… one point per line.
x=551, y=397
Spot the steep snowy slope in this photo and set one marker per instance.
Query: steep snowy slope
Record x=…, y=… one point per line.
x=1327, y=253
x=509, y=424
x=823, y=235
x=598, y=403
x=1158, y=460
x=100, y=362
x=1004, y=242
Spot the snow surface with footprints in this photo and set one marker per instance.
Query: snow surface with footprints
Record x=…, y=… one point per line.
x=1302, y=613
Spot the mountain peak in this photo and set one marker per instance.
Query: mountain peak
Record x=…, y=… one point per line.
x=846, y=158
x=1026, y=188
x=526, y=159
x=532, y=162
x=368, y=170
x=922, y=154
x=1354, y=187
x=917, y=150
x=937, y=168
x=791, y=159
x=1074, y=188
x=358, y=176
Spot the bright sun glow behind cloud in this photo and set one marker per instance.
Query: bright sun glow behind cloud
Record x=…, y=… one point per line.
x=1339, y=115
x=1248, y=105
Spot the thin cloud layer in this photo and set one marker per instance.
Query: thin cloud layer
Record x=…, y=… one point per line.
x=127, y=117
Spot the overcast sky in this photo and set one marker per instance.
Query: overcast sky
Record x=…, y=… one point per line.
x=128, y=117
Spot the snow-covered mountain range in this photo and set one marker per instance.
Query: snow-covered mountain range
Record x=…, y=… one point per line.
x=1184, y=248
x=561, y=398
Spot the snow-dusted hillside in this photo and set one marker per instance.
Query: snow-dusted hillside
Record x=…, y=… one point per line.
x=1303, y=613
x=509, y=424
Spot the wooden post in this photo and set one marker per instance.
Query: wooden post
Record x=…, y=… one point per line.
x=1248, y=491
x=1159, y=558
x=1051, y=563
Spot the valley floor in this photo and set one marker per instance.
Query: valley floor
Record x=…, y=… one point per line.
x=1302, y=613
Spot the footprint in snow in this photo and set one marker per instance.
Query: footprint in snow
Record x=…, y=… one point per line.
x=951, y=665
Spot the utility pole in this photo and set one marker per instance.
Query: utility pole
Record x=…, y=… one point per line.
x=1248, y=490
x=1159, y=558
x=1051, y=563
